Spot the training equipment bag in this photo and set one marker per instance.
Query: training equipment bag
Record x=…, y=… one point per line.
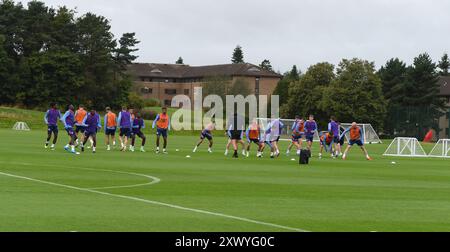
x=304, y=156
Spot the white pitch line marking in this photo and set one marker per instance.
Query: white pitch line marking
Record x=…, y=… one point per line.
x=156, y=203
x=153, y=180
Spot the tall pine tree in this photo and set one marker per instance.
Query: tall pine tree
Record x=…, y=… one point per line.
x=444, y=65
x=238, y=55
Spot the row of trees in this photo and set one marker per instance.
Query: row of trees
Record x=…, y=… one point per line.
x=398, y=99
x=49, y=54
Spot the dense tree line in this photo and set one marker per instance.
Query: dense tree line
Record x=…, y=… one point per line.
x=397, y=99
x=49, y=54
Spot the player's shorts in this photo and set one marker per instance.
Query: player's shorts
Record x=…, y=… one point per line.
x=110, y=132
x=336, y=139
x=88, y=133
x=236, y=134
x=206, y=134
x=309, y=138
x=138, y=133
x=80, y=129
x=353, y=142
x=70, y=131
x=125, y=132
x=295, y=138
x=52, y=129
x=254, y=140
x=161, y=132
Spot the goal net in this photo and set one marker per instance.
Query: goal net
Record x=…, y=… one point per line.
x=22, y=126
x=441, y=149
x=370, y=136
x=405, y=147
x=286, y=132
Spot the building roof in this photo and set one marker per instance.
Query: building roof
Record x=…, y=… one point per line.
x=185, y=71
x=444, y=82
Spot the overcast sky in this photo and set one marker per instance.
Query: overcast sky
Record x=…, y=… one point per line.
x=287, y=32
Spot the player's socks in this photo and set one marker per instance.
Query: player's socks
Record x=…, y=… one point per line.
x=368, y=157
x=226, y=152
x=142, y=149
x=93, y=149
x=46, y=144
x=344, y=156
x=157, y=149
x=132, y=148
x=114, y=143
x=209, y=150
x=164, y=151
x=108, y=147
x=52, y=147
x=235, y=154
x=195, y=149
x=320, y=155
x=243, y=152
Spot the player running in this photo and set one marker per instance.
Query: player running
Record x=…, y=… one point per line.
x=236, y=132
x=356, y=137
x=91, y=123
x=138, y=125
x=274, y=129
x=162, y=124
x=326, y=142
x=110, y=128
x=80, y=114
x=253, y=133
x=229, y=143
x=333, y=127
x=206, y=133
x=51, y=119
x=124, y=121
x=69, y=121
x=298, y=132
x=310, y=130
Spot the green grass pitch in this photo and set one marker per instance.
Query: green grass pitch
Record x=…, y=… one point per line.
x=44, y=190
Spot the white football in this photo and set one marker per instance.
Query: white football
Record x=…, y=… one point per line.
x=393, y=162
x=177, y=150
x=188, y=156
x=293, y=159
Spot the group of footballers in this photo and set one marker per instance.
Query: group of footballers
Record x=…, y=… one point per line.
x=130, y=125
x=331, y=141
x=82, y=126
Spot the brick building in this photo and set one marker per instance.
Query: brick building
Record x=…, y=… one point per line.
x=164, y=81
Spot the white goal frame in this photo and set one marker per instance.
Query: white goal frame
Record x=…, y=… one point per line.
x=21, y=126
x=366, y=127
x=410, y=144
x=445, y=152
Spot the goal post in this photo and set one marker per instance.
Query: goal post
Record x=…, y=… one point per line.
x=21, y=126
x=370, y=135
x=286, y=132
x=441, y=149
x=405, y=147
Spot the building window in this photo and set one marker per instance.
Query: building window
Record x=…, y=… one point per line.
x=186, y=92
x=142, y=78
x=170, y=91
x=167, y=103
x=146, y=90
